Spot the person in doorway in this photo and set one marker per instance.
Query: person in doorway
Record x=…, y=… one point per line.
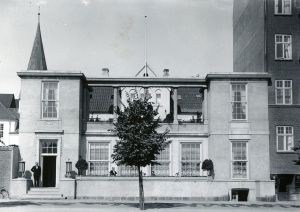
x=112, y=172
x=36, y=169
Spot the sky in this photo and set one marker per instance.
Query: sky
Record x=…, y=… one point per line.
x=189, y=37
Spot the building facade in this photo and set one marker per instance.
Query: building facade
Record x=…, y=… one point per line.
x=9, y=120
x=266, y=39
x=223, y=117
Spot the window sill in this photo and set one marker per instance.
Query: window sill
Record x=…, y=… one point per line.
x=286, y=152
x=49, y=119
x=283, y=14
x=281, y=60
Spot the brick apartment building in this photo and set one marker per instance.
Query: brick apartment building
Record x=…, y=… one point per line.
x=266, y=38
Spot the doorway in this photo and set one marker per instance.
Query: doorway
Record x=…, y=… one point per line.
x=49, y=171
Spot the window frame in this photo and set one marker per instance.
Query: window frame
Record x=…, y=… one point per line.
x=232, y=100
x=284, y=135
x=276, y=43
x=282, y=7
x=283, y=88
x=89, y=157
x=200, y=157
x=164, y=161
x=232, y=159
x=55, y=101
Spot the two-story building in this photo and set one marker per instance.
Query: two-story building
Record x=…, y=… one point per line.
x=223, y=117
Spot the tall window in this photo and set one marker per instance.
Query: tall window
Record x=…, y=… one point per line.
x=163, y=168
x=283, y=47
x=50, y=100
x=190, y=159
x=285, y=138
x=239, y=159
x=283, y=92
x=283, y=7
x=1, y=131
x=99, y=158
x=158, y=97
x=127, y=171
x=239, y=101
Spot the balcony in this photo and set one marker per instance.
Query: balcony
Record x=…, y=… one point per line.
x=188, y=129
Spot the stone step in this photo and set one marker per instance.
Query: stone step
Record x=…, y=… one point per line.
x=45, y=189
x=43, y=196
x=43, y=193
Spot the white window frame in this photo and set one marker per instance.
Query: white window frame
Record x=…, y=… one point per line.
x=89, y=156
x=283, y=47
x=180, y=159
x=45, y=100
x=282, y=7
x=232, y=159
x=283, y=88
x=285, y=137
x=164, y=161
x=245, y=102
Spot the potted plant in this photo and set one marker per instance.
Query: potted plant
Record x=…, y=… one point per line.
x=81, y=165
x=208, y=166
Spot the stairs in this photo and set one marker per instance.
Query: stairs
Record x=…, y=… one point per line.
x=43, y=193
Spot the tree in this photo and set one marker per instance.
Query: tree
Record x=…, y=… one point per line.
x=139, y=142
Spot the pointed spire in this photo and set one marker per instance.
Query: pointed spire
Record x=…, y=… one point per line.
x=37, y=59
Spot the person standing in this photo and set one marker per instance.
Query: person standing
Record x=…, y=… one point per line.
x=36, y=174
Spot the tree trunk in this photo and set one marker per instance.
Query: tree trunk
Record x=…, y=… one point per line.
x=141, y=189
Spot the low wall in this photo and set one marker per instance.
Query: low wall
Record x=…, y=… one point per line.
x=169, y=188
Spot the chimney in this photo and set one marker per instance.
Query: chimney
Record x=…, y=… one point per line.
x=105, y=72
x=166, y=72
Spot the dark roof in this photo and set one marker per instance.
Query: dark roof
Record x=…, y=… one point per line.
x=8, y=113
x=8, y=100
x=37, y=59
x=189, y=100
x=101, y=100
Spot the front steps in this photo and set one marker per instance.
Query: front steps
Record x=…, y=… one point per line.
x=43, y=193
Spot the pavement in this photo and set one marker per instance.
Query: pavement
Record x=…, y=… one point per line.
x=92, y=206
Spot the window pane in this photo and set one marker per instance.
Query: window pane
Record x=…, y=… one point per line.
x=280, y=143
x=279, y=50
x=128, y=170
x=239, y=169
x=190, y=163
x=99, y=168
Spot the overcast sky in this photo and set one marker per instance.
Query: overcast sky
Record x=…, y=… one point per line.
x=189, y=37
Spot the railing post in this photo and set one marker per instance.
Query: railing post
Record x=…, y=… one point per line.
x=175, y=98
x=115, y=103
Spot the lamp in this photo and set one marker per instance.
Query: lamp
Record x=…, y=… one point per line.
x=22, y=168
x=68, y=168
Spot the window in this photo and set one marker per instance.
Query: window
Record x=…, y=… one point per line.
x=99, y=158
x=162, y=169
x=283, y=47
x=50, y=100
x=1, y=131
x=285, y=138
x=128, y=171
x=157, y=97
x=239, y=101
x=283, y=7
x=133, y=94
x=283, y=92
x=49, y=146
x=190, y=159
x=239, y=159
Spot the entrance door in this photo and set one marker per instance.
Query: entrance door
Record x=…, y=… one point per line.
x=49, y=171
